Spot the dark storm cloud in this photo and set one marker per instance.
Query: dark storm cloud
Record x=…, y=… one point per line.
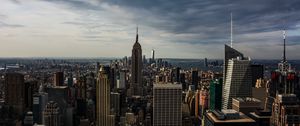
x=214, y=16
x=211, y=18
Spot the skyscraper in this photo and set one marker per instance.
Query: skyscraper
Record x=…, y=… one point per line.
x=284, y=80
x=176, y=74
x=182, y=81
x=15, y=91
x=115, y=99
x=195, y=78
x=81, y=88
x=203, y=102
x=103, y=117
x=238, y=81
x=58, y=79
x=112, y=77
x=60, y=95
x=122, y=79
x=52, y=115
x=28, y=94
x=167, y=105
x=285, y=110
x=40, y=100
x=152, y=56
x=257, y=73
x=136, y=68
x=229, y=54
x=215, y=94
x=205, y=62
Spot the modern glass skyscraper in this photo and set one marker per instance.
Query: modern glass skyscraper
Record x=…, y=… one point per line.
x=215, y=94
x=238, y=81
x=229, y=54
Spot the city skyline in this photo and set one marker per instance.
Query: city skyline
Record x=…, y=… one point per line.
x=177, y=29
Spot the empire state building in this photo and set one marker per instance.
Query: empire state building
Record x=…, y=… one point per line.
x=136, y=68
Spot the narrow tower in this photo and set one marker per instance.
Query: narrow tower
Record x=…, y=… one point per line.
x=136, y=68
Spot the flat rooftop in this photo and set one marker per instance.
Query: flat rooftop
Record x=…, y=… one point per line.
x=258, y=116
x=229, y=111
x=60, y=87
x=247, y=99
x=243, y=119
x=167, y=86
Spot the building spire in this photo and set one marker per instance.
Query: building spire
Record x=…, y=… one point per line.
x=231, y=39
x=284, y=57
x=137, y=34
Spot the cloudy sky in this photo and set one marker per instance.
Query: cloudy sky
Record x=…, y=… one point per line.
x=174, y=28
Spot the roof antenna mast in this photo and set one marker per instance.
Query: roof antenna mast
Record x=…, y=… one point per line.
x=284, y=57
x=137, y=33
x=231, y=39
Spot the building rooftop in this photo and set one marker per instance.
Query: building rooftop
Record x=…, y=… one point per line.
x=60, y=87
x=229, y=111
x=243, y=118
x=260, y=116
x=247, y=99
x=167, y=86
